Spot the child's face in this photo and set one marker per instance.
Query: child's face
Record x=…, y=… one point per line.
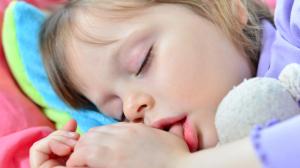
x=192, y=67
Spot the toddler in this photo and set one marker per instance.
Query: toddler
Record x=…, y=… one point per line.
x=153, y=65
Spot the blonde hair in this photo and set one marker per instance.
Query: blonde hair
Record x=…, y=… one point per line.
x=57, y=28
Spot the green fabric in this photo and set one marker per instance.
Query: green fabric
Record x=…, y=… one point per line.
x=13, y=58
x=60, y=118
x=20, y=38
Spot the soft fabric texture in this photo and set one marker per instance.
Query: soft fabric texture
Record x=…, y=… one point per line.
x=281, y=46
x=20, y=118
x=15, y=147
x=257, y=101
x=278, y=145
x=17, y=112
x=21, y=27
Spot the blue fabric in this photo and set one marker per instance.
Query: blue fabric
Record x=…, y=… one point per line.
x=28, y=24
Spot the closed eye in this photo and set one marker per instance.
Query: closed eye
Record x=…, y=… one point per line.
x=123, y=118
x=146, y=62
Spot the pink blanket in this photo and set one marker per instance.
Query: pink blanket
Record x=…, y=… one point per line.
x=14, y=152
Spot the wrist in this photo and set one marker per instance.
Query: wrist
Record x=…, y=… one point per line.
x=234, y=155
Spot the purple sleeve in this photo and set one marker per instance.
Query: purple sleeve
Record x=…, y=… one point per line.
x=278, y=146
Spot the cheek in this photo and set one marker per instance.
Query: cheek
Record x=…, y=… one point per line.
x=194, y=76
x=179, y=80
x=181, y=70
x=189, y=82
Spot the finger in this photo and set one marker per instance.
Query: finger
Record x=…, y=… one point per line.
x=61, y=145
x=60, y=149
x=70, y=126
x=50, y=163
x=67, y=134
x=77, y=159
x=65, y=140
x=39, y=152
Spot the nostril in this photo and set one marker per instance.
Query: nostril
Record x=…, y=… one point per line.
x=142, y=107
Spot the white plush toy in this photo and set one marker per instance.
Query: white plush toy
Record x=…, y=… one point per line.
x=257, y=101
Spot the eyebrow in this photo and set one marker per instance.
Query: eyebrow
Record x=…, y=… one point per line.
x=81, y=34
x=85, y=37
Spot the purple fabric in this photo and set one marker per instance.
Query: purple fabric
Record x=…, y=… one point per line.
x=278, y=146
x=281, y=46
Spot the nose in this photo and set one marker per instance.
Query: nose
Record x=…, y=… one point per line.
x=136, y=105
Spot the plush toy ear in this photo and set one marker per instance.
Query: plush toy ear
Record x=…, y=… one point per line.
x=290, y=78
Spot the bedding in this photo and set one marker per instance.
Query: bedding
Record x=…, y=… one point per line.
x=17, y=112
x=21, y=121
x=22, y=23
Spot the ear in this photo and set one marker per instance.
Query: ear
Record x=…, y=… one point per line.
x=241, y=11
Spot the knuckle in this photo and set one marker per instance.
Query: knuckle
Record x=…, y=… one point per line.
x=104, y=151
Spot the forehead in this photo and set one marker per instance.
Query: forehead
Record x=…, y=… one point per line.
x=98, y=34
x=95, y=37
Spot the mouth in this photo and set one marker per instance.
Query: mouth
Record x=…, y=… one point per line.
x=181, y=126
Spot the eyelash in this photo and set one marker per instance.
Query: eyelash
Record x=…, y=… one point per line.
x=146, y=62
x=123, y=118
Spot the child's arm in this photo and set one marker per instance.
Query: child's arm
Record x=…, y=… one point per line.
x=234, y=155
x=55, y=148
x=274, y=146
x=134, y=145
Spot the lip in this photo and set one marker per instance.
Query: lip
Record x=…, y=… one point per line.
x=190, y=135
x=168, y=122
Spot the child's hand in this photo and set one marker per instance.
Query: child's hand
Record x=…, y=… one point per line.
x=128, y=145
x=53, y=150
